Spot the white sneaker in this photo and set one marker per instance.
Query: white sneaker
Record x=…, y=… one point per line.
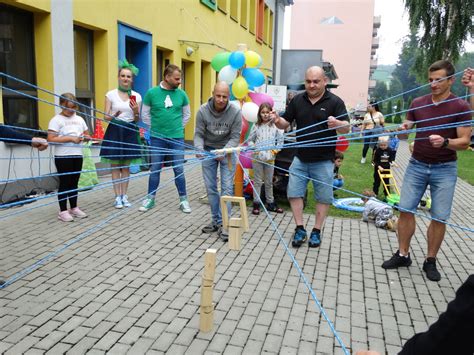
x=76, y=212
x=362, y=161
x=118, y=202
x=125, y=202
x=184, y=206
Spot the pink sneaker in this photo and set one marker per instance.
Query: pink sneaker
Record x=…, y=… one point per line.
x=65, y=216
x=76, y=212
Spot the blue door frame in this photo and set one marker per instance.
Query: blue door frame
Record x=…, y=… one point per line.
x=137, y=44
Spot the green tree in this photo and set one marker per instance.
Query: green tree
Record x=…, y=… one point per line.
x=410, y=99
x=403, y=71
x=445, y=26
x=396, y=88
x=466, y=60
x=398, y=116
x=388, y=111
x=380, y=90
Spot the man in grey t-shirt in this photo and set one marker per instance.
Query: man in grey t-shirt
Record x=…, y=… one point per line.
x=218, y=125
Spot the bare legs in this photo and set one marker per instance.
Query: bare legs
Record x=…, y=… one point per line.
x=406, y=229
x=297, y=209
x=120, y=178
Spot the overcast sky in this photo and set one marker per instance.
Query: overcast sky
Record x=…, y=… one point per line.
x=394, y=27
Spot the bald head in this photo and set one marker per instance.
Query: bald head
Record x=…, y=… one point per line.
x=315, y=81
x=222, y=86
x=315, y=70
x=220, y=96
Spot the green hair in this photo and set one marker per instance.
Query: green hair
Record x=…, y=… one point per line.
x=124, y=64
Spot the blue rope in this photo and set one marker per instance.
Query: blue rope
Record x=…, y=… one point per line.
x=152, y=133
x=325, y=142
x=470, y=230
x=291, y=133
x=73, y=241
x=298, y=268
x=347, y=114
x=75, y=172
x=96, y=187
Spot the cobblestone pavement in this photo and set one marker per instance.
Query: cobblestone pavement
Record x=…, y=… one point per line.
x=131, y=282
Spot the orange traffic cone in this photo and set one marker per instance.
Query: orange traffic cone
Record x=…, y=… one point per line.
x=98, y=130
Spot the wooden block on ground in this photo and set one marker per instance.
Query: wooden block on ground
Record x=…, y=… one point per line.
x=243, y=211
x=206, y=319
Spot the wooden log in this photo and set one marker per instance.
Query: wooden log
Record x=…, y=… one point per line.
x=243, y=211
x=235, y=233
x=206, y=319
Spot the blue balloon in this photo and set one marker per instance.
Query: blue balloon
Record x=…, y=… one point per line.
x=253, y=76
x=237, y=60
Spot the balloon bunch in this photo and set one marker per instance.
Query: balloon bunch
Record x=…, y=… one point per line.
x=240, y=70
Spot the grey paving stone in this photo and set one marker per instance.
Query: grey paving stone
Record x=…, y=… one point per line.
x=219, y=343
x=140, y=292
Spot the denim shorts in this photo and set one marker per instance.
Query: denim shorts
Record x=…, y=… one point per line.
x=322, y=173
x=441, y=178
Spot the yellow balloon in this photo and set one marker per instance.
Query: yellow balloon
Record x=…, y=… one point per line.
x=240, y=88
x=252, y=59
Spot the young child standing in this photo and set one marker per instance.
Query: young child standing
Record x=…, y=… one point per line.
x=382, y=159
x=69, y=130
x=338, y=180
x=264, y=133
x=380, y=212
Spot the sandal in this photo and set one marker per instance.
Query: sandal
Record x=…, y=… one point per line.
x=256, y=209
x=272, y=207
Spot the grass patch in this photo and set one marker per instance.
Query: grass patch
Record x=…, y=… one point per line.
x=357, y=177
x=466, y=166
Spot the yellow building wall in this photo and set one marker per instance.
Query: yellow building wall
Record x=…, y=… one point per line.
x=43, y=53
x=174, y=25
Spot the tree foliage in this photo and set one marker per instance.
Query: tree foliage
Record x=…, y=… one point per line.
x=380, y=90
x=466, y=60
x=445, y=26
x=403, y=72
x=396, y=87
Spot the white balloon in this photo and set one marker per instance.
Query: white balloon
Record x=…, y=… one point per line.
x=227, y=74
x=250, y=111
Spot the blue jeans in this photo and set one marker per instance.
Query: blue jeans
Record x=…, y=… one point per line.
x=321, y=172
x=442, y=181
x=209, y=173
x=176, y=153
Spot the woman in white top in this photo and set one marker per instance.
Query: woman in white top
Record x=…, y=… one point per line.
x=68, y=130
x=372, y=125
x=121, y=145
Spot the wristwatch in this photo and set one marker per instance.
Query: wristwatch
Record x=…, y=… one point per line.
x=445, y=143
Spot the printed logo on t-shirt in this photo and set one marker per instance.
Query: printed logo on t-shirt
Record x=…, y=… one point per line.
x=168, y=102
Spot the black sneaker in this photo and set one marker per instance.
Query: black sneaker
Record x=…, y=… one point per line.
x=314, y=239
x=223, y=234
x=432, y=273
x=210, y=228
x=397, y=261
x=299, y=238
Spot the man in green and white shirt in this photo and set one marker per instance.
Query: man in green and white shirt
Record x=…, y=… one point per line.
x=166, y=111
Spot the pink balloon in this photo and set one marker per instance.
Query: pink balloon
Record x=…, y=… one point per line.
x=246, y=159
x=245, y=127
x=259, y=98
